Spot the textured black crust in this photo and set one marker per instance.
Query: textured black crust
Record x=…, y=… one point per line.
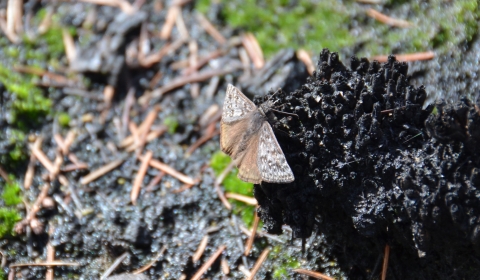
x=374, y=167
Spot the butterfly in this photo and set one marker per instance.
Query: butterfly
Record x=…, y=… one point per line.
x=247, y=137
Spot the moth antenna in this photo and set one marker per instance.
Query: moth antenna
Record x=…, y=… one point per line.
x=285, y=113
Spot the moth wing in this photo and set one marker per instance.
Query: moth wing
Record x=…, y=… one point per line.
x=236, y=105
x=271, y=161
x=247, y=163
x=231, y=134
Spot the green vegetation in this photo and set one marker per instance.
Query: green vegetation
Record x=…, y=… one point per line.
x=9, y=215
x=315, y=25
x=279, y=24
x=231, y=183
x=284, y=262
x=64, y=119
x=11, y=193
x=171, y=123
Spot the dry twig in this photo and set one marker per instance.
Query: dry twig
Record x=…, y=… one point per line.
x=208, y=263
x=201, y=248
x=208, y=26
x=251, y=238
x=195, y=77
x=385, y=262
x=388, y=20
x=243, y=198
x=307, y=60
x=313, y=274
x=137, y=184
x=407, y=57
x=94, y=175
x=172, y=172
x=124, y=5
x=253, y=49
x=263, y=256
x=144, y=268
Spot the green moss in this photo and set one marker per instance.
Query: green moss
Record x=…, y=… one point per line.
x=8, y=218
x=284, y=262
x=231, y=183
x=28, y=102
x=11, y=192
x=172, y=124
x=64, y=119
x=279, y=24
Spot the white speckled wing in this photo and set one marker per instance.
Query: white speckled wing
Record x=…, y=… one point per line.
x=236, y=105
x=271, y=161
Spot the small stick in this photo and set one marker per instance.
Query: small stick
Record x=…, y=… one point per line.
x=385, y=262
x=248, y=233
x=307, y=60
x=124, y=5
x=137, y=184
x=172, y=14
x=4, y=175
x=208, y=26
x=146, y=125
x=193, y=48
x=68, y=141
x=407, y=57
x=70, y=50
x=81, y=93
x=129, y=101
x=114, y=265
x=225, y=267
x=60, y=142
x=152, y=135
x=208, y=263
x=195, y=77
x=155, y=181
x=258, y=264
x=388, y=20
x=182, y=28
x=74, y=167
x=14, y=16
x=10, y=35
x=201, y=248
x=313, y=274
x=149, y=60
x=42, y=158
x=185, y=187
x=156, y=78
x=212, y=87
x=50, y=257
x=202, y=61
x=209, y=135
x=54, y=263
x=253, y=49
x=172, y=172
x=219, y=181
x=108, y=93
x=134, y=131
x=251, y=238
x=94, y=175
x=33, y=211
x=140, y=270
x=243, y=198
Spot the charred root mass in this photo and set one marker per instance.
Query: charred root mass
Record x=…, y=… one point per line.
x=373, y=166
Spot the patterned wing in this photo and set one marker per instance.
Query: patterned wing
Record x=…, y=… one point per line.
x=271, y=161
x=236, y=105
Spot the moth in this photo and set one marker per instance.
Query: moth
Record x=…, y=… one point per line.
x=247, y=137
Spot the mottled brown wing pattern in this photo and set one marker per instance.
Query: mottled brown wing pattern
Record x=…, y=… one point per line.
x=236, y=105
x=271, y=161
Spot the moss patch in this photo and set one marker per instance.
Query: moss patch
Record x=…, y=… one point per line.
x=231, y=183
x=278, y=24
x=284, y=262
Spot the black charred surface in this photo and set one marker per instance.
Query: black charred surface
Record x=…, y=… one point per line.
x=373, y=167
